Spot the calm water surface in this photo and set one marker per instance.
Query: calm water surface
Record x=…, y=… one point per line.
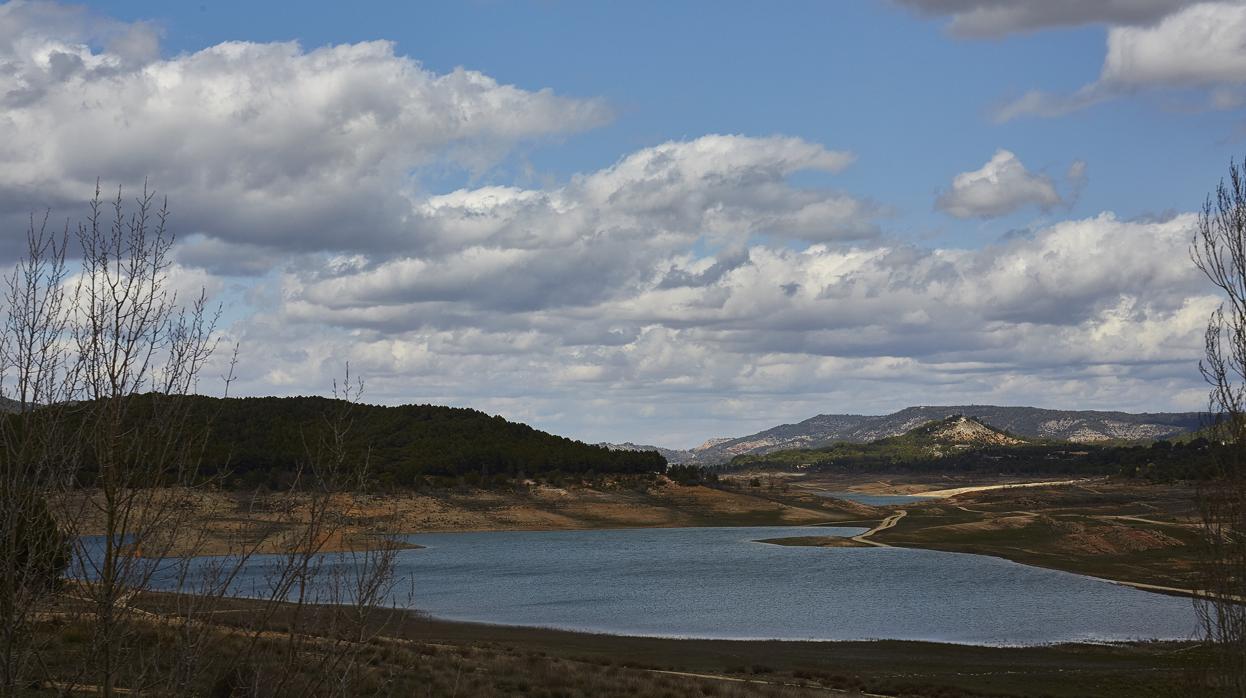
x=719, y=583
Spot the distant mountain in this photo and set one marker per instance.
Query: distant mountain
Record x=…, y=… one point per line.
x=942, y=441
x=672, y=455
x=962, y=444
x=1084, y=426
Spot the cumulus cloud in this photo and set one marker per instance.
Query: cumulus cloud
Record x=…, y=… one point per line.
x=1200, y=46
x=726, y=187
x=263, y=144
x=994, y=18
x=577, y=244
x=1002, y=186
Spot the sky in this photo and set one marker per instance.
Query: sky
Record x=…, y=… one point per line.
x=657, y=222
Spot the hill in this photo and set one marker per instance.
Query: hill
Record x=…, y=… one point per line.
x=959, y=431
x=961, y=444
x=1079, y=426
x=264, y=441
x=940, y=440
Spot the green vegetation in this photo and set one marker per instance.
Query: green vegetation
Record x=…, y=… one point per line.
x=267, y=441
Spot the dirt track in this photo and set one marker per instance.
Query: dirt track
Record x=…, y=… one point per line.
x=882, y=526
x=954, y=491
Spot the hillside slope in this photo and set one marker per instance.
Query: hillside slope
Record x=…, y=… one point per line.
x=1082, y=426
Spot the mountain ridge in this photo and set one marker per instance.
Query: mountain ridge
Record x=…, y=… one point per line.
x=1080, y=426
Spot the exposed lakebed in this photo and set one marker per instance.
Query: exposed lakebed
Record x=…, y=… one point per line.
x=721, y=583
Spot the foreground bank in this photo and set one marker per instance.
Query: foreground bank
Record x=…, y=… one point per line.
x=408, y=654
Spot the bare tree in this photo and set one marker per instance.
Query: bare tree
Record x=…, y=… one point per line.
x=33, y=373
x=1219, y=251
x=101, y=457
x=137, y=350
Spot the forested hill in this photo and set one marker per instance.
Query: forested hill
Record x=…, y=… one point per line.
x=264, y=440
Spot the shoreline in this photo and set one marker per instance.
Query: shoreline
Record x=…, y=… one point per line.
x=857, y=667
x=491, y=625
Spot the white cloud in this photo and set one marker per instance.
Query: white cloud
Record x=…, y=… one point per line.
x=508, y=249
x=1201, y=46
x=265, y=144
x=1002, y=186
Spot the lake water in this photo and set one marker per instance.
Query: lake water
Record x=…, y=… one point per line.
x=719, y=583
x=874, y=500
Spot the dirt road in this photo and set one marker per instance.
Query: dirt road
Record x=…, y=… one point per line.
x=952, y=492
x=882, y=526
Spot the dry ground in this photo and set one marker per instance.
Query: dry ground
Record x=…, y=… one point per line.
x=219, y=522
x=1124, y=531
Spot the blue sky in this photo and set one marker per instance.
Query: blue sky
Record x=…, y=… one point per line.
x=663, y=221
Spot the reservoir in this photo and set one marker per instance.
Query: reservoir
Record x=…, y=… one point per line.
x=720, y=583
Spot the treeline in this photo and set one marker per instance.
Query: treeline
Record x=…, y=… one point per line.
x=692, y=475
x=268, y=441
x=1162, y=461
